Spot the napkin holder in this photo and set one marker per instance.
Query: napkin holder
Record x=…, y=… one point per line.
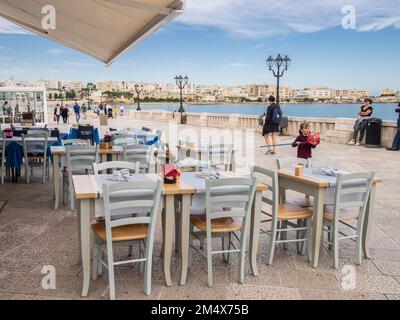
x=170, y=173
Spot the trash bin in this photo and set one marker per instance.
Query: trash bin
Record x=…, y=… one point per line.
x=183, y=118
x=373, y=133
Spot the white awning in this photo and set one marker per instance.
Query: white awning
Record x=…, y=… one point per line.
x=103, y=29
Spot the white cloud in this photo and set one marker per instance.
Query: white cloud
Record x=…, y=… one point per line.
x=9, y=27
x=55, y=51
x=263, y=18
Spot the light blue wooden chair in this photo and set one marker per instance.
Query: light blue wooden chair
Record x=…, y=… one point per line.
x=140, y=153
x=80, y=159
x=351, y=200
x=223, y=224
x=282, y=215
x=35, y=154
x=126, y=231
x=116, y=165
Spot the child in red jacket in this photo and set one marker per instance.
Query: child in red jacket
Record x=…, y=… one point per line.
x=303, y=143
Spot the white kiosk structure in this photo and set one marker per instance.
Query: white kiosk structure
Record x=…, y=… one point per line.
x=18, y=104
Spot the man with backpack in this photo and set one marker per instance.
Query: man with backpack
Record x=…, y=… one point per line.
x=271, y=125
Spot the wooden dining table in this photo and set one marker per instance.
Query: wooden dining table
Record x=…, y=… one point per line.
x=317, y=187
x=59, y=154
x=87, y=191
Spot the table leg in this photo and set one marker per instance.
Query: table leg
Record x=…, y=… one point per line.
x=56, y=180
x=255, y=232
x=84, y=208
x=319, y=200
x=169, y=228
x=185, y=229
x=368, y=221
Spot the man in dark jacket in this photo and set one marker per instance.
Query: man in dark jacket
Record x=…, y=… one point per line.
x=396, y=140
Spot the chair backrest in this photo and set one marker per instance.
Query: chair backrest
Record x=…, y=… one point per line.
x=271, y=196
x=237, y=192
x=139, y=153
x=35, y=144
x=352, y=191
x=120, y=140
x=80, y=158
x=184, y=152
x=39, y=131
x=85, y=132
x=74, y=142
x=99, y=167
x=119, y=203
x=291, y=162
x=219, y=154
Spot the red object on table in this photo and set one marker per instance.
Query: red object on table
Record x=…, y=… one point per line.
x=314, y=138
x=170, y=172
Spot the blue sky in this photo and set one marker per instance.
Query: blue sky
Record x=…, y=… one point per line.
x=227, y=42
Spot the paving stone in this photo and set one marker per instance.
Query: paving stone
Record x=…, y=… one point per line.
x=217, y=292
x=388, y=267
x=376, y=284
x=309, y=280
x=339, y=295
x=252, y=292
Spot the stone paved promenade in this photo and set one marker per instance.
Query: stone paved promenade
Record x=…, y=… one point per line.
x=33, y=235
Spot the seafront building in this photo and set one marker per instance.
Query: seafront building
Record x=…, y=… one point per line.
x=212, y=92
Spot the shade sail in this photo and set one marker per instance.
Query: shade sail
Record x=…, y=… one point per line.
x=103, y=29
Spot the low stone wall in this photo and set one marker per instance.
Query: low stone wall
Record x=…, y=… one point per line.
x=332, y=130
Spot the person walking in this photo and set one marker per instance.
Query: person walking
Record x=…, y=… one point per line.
x=271, y=125
x=396, y=140
x=84, y=111
x=77, y=111
x=64, y=113
x=57, y=113
x=361, y=124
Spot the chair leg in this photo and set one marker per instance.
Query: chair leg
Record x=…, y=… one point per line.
x=272, y=242
x=95, y=261
x=141, y=254
x=284, y=234
x=299, y=235
x=111, y=280
x=209, y=260
x=308, y=244
x=191, y=245
x=329, y=237
x=225, y=246
x=335, y=247
x=27, y=173
x=242, y=257
x=130, y=251
x=359, y=243
x=71, y=196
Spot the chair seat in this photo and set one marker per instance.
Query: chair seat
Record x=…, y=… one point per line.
x=345, y=214
x=302, y=202
x=288, y=211
x=123, y=233
x=217, y=225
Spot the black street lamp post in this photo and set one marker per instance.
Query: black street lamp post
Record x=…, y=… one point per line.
x=139, y=90
x=62, y=90
x=278, y=66
x=89, y=89
x=181, y=82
